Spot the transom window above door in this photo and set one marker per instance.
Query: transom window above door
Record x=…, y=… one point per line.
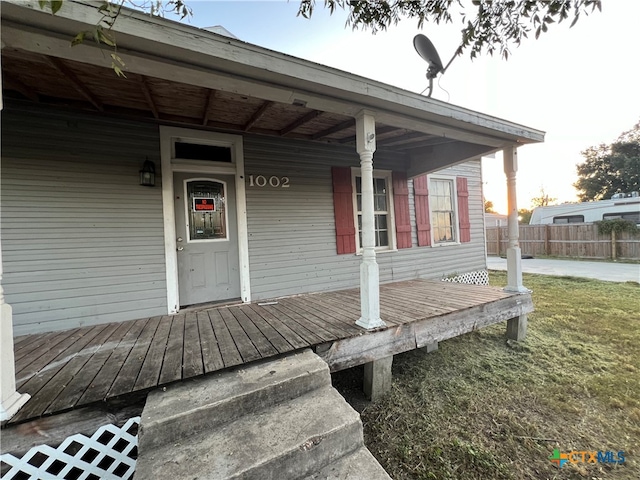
x=206, y=210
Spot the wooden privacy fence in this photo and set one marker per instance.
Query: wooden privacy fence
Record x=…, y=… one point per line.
x=580, y=240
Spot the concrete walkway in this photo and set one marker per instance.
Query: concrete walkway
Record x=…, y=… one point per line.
x=609, y=271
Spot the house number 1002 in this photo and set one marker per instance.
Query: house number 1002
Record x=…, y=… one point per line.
x=273, y=181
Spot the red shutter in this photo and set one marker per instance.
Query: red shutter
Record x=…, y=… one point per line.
x=463, y=209
x=401, y=209
x=423, y=223
x=343, y=210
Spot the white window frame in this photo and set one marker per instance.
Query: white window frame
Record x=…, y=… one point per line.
x=456, y=220
x=391, y=221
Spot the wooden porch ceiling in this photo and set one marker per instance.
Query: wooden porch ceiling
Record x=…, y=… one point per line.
x=65, y=370
x=52, y=81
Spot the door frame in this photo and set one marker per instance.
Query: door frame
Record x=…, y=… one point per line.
x=170, y=165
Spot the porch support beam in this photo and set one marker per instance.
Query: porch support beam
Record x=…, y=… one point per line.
x=335, y=129
x=299, y=122
x=11, y=83
x=369, y=274
x=517, y=326
x=257, y=115
x=377, y=378
x=10, y=400
x=436, y=157
x=210, y=98
x=80, y=87
x=144, y=86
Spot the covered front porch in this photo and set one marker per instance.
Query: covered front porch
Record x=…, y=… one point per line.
x=75, y=368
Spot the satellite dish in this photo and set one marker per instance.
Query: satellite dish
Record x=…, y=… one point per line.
x=428, y=52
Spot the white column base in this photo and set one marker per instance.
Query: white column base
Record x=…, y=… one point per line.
x=370, y=296
x=11, y=405
x=10, y=400
x=514, y=271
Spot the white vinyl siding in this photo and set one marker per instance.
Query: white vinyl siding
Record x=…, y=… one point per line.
x=82, y=241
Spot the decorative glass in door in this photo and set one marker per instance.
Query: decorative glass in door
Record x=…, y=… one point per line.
x=206, y=207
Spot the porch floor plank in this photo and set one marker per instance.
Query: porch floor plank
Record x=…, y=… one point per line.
x=150, y=370
x=228, y=349
x=101, y=384
x=52, y=382
x=72, y=369
x=192, y=362
x=172, y=362
x=211, y=356
x=76, y=387
x=295, y=340
x=263, y=345
x=125, y=381
x=247, y=349
x=273, y=337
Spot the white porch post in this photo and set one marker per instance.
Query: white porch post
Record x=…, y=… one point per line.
x=369, y=276
x=10, y=399
x=516, y=327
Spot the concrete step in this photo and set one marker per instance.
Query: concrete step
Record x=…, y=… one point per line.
x=208, y=402
x=359, y=464
x=290, y=440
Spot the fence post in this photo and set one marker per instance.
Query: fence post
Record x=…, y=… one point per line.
x=614, y=254
x=546, y=239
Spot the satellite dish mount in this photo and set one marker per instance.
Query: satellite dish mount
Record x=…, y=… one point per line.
x=428, y=52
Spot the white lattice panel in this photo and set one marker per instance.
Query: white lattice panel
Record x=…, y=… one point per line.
x=478, y=277
x=110, y=453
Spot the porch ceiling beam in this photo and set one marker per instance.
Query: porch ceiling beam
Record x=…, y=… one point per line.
x=12, y=83
x=144, y=86
x=299, y=122
x=427, y=143
x=379, y=131
x=442, y=156
x=335, y=129
x=75, y=81
x=210, y=98
x=407, y=137
x=257, y=115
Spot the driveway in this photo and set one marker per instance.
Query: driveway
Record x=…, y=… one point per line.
x=612, y=272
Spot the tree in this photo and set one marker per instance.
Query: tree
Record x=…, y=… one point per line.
x=488, y=207
x=488, y=26
x=610, y=169
x=524, y=216
x=543, y=199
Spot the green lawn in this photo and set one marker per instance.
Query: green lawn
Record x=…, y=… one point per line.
x=482, y=407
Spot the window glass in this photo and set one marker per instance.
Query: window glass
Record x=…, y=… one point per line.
x=207, y=212
x=633, y=216
x=442, y=210
x=381, y=210
x=569, y=219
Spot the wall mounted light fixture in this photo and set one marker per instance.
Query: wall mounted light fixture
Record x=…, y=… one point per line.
x=148, y=174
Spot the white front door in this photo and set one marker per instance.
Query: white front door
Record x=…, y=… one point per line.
x=207, y=238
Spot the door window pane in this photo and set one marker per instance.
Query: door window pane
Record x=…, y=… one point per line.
x=207, y=210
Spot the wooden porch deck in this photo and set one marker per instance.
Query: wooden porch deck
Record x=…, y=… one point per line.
x=66, y=370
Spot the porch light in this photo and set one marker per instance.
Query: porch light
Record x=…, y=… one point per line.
x=148, y=174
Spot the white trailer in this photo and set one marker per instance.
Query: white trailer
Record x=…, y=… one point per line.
x=621, y=205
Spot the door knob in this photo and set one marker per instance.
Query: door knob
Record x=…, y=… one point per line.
x=180, y=249
x=179, y=239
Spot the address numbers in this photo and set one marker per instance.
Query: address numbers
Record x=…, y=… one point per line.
x=272, y=181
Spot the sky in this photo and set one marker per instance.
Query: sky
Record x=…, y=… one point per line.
x=578, y=84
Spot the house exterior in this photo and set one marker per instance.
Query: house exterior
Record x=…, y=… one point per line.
x=273, y=176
